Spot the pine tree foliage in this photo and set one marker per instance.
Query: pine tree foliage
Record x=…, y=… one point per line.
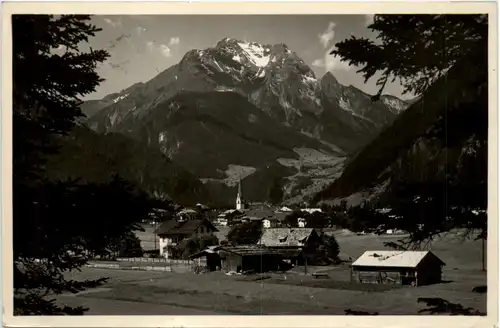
x=58, y=224
x=245, y=233
x=438, y=176
x=416, y=49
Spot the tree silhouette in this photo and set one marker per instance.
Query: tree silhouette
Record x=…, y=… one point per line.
x=437, y=305
x=330, y=247
x=245, y=233
x=291, y=220
x=58, y=225
x=416, y=49
x=438, y=179
x=190, y=246
x=276, y=191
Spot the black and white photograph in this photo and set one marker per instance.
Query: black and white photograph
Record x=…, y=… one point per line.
x=251, y=164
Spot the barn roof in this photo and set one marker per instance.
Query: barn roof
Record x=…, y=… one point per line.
x=248, y=250
x=285, y=236
x=172, y=227
x=401, y=259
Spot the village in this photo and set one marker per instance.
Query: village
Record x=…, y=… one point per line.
x=210, y=265
x=278, y=245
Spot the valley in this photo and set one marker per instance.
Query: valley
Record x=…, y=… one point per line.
x=243, y=110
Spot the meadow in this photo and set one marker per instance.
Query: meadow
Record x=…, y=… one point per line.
x=290, y=293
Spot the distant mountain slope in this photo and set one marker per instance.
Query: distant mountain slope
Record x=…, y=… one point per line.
x=455, y=108
x=206, y=132
x=93, y=157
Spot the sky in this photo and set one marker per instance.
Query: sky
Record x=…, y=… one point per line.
x=142, y=46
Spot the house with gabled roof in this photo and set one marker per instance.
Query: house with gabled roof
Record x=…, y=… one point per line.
x=414, y=268
x=172, y=232
x=267, y=216
x=299, y=242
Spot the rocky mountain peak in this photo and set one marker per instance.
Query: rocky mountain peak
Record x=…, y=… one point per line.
x=329, y=79
x=244, y=104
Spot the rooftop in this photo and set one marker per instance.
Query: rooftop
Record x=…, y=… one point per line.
x=248, y=250
x=173, y=227
x=285, y=236
x=404, y=259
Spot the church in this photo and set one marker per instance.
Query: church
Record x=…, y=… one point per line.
x=240, y=203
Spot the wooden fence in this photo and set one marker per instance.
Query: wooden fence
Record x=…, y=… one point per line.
x=154, y=260
x=138, y=268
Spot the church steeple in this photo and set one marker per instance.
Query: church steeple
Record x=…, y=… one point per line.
x=239, y=197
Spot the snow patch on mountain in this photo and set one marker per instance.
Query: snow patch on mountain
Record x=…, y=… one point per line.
x=218, y=66
x=255, y=53
x=309, y=79
x=345, y=105
x=113, y=118
x=222, y=88
x=289, y=109
x=162, y=136
x=117, y=99
x=395, y=105
x=168, y=147
x=237, y=58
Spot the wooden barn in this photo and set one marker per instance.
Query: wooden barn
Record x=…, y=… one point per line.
x=250, y=258
x=415, y=268
x=294, y=244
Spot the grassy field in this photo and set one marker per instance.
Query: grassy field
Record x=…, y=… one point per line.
x=290, y=293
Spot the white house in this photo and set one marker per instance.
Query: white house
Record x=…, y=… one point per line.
x=172, y=232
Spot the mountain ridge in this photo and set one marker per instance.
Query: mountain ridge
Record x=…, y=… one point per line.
x=268, y=89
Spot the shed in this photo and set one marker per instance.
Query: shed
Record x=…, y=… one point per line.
x=208, y=257
x=414, y=268
x=249, y=258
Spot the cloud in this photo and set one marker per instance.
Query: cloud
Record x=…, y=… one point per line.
x=150, y=45
x=162, y=48
x=327, y=36
x=165, y=50
x=174, y=40
x=113, y=23
x=140, y=30
x=329, y=62
x=318, y=63
x=333, y=62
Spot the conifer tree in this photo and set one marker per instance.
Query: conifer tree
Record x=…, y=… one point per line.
x=58, y=225
x=447, y=190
